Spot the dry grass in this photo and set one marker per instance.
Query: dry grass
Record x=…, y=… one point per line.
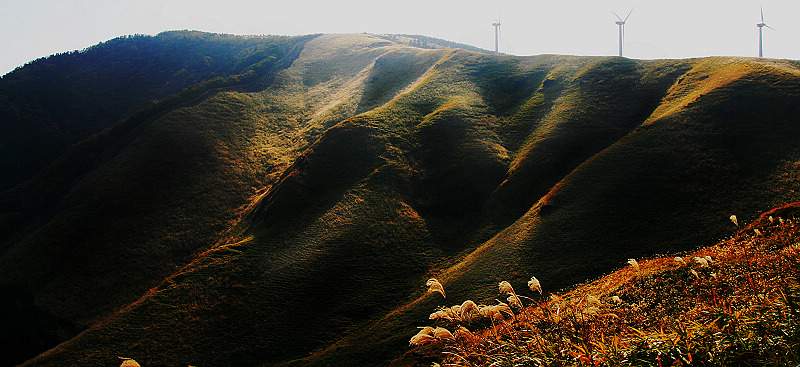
x=736, y=303
x=435, y=286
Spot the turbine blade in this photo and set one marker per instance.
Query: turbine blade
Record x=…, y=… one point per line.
x=629, y=14
x=615, y=14
x=770, y=28
x=762, y=13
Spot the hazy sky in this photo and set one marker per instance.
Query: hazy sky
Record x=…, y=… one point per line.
x=30, y=29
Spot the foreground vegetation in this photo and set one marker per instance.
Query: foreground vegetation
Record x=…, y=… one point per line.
x=736, y=303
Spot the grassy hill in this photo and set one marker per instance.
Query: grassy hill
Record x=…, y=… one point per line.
x=294, y=225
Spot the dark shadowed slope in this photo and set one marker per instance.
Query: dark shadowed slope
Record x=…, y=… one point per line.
x=394, y=164
x=121, y=211
x=54, y=102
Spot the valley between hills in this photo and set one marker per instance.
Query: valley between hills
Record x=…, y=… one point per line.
x=216, y=200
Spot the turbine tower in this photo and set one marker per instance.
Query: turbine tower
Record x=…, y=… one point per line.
x=621, y=24
x=496, y=36
x=760, y=28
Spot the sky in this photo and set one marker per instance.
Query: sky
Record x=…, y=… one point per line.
x=30, y=29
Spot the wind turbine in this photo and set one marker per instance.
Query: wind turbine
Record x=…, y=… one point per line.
x=621, y=24
x=496, y=36
x=760, y=28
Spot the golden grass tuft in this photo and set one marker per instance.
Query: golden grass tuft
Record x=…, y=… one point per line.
x=514, y=301
x=506, y=288
x=442, y=334
x=435, y=286
x=421, y=339
x=633, y=263
x=128, y=362
x=424, y=336
x=496, y=312
x=534, y=285
x=444, y=313
x=702, y=261
x=469, y=311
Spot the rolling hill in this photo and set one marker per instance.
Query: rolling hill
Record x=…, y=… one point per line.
x=294, y=220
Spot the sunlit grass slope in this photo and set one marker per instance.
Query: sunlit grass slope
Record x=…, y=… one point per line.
x=652, y=190
x=732, y=304
x=373, y=166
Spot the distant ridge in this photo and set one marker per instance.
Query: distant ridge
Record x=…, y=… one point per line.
x=295, y=222
x=430, y=42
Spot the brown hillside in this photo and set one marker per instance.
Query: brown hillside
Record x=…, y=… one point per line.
x=299, y=222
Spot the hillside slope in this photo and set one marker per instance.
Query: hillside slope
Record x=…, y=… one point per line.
x=667, y=185
x=54, y=102
x=731, y=304
x=119, y=212
x=314, y=209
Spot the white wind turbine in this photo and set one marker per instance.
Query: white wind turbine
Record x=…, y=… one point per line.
x=496, y=36
x=760, y=28
x=621, y=24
